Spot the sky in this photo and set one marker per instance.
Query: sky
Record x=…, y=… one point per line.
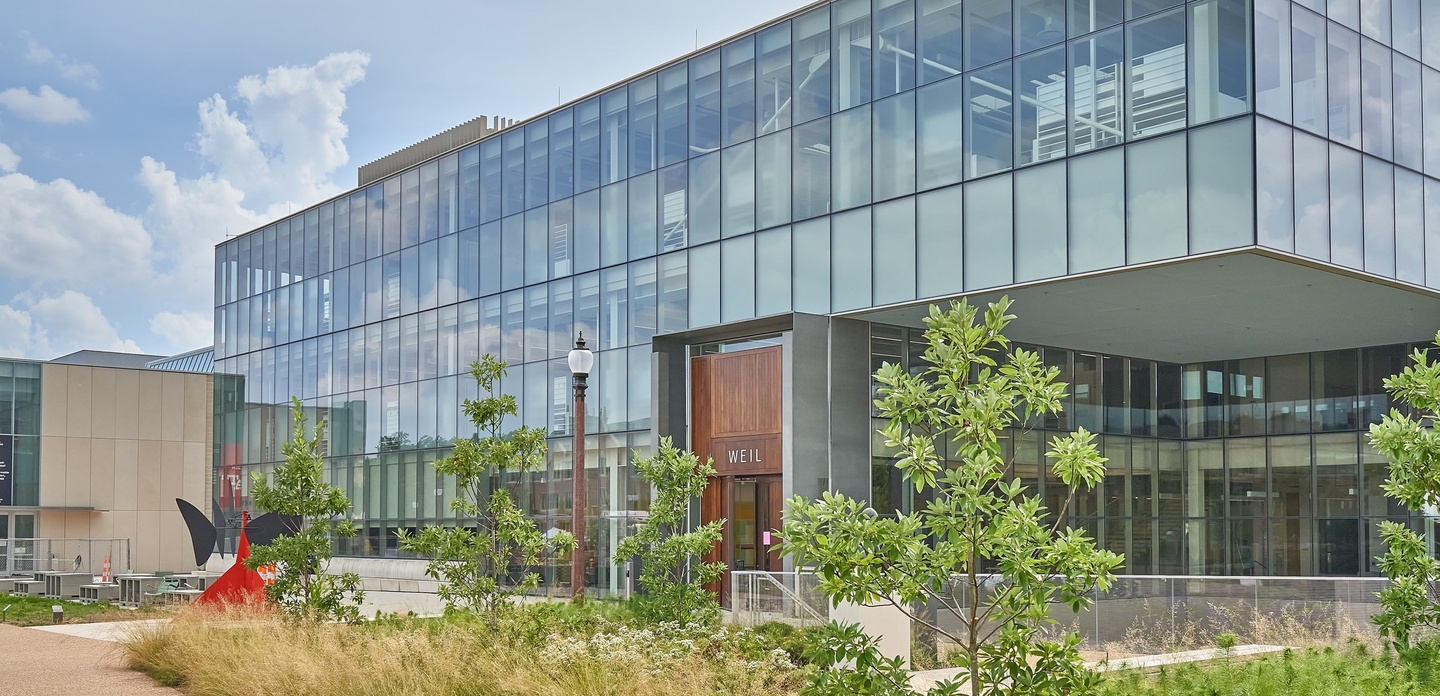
x=135, y=136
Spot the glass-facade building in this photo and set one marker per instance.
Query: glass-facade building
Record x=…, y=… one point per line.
x=1220, y=218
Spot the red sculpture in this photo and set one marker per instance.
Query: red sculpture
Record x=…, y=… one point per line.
x=239, y=585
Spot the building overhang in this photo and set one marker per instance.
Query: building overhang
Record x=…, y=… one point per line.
x=46, y=508
x=1247, y=303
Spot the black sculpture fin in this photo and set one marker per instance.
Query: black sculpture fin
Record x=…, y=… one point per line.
x=202, y=531
x=269, y=526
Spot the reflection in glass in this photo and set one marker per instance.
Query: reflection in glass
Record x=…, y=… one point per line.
x=1156, y=74
x=1379, y=202
x=1312, y=197
x=939, y=39
x=1095, y=69
x=1274, y=177
x=772, y=272
x=772, y=188
x=1409, y=116
x=811, y=266
x=988, y=121
x=851, y=53
x=737, y=280
x=1041, y=126
x=773, y=107
x=1376, y=79
x=1220, y=59
x=705, y=103
x=614, y=146
x=1093, y=15
x=850, y=173
x=739, y=97
x=703, y=218
x=1309, y=82
x=812, y=64
x=644, y=125
x=811, y=162
x=704, y=288
x=1409, y=226
x=674, y=121
x=987, y=32
x=1038, y=23
x=894, y=47
x=1344, y=72
x=1347, y=215
x=939, y=154
x=737, y=202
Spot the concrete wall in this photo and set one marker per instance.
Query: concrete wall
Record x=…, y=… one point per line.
x=126, y=443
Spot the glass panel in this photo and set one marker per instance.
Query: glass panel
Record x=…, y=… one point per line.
x=614, y=212
x=1041, y=127
x=894, y=144
x=1040, y=250
x=1347, y=242
x=513, y=185
x=644, y=125
x=811, y=266
x=1376, y=78
x=895, y=47
x=987, y=32
x=811, y=164
x=1430, y=21
x=614, y=142
x=772, y=188
x=674, y=119
x=1274, y=161
x=1431, y=117
x=1220, y=59
x=737, y=280
x=1345, y=94
x=587, y=231
x=537, y=168
x=537, y=243
x=988, y=120
x=704, y=287
x=1312, y=197
x=850, y=261
x=1308, y=69
x=1432, y=232
x=812, y=64
x=773, y=107
x=894, y=251
x=1409, y=116
x=1138, y=8
x=772, y=272
x=703, y=217
x=737, y=194
x=1038, y=23
x=614, y=309
x=1334, y=380
x=1156, y=50
x=1156, y=207
x=1097, y=211
x=642, y=301
x=1221, y=191
x=939, y=39
x=739, y=97
x=1375, y=19
x=851, y=53
x=1093, y=15
x=1409, y=226
x=1096, y=67
x=989, y=236
x=562, y=155
x=939, y=243
x=587, y=145
x=850, y=172
x=1379, y=202
x=642, y=215
x=1405, y=17
x=939, y=153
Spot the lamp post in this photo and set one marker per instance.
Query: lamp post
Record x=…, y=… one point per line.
x=581, y=360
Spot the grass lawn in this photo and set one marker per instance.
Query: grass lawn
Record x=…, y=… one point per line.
x=1347, y=671
x=35, y=611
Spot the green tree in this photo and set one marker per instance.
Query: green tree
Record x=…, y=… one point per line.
x=671, y=572
x=303, y=587
x=981, y=535
x=1413, y=448
x=473, y=563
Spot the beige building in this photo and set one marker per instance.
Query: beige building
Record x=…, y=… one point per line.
x=118, y=443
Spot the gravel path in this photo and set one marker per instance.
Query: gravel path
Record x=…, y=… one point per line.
x=43, y=663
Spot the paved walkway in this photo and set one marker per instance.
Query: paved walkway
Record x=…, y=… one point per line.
x=51, y=663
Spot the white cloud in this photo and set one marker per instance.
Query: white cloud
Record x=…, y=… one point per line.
x=9, y=161
x=278, y=149
x=50, y=326
x=75, y=71
x=183, y=329
x=46, y=106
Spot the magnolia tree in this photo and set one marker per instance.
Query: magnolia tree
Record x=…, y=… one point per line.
x=473, y=562
x=984, y=556
x=672, y=572
x=297, y=488
x=1409, y=602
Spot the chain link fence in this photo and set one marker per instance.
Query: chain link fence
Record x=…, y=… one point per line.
x=27, y=556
